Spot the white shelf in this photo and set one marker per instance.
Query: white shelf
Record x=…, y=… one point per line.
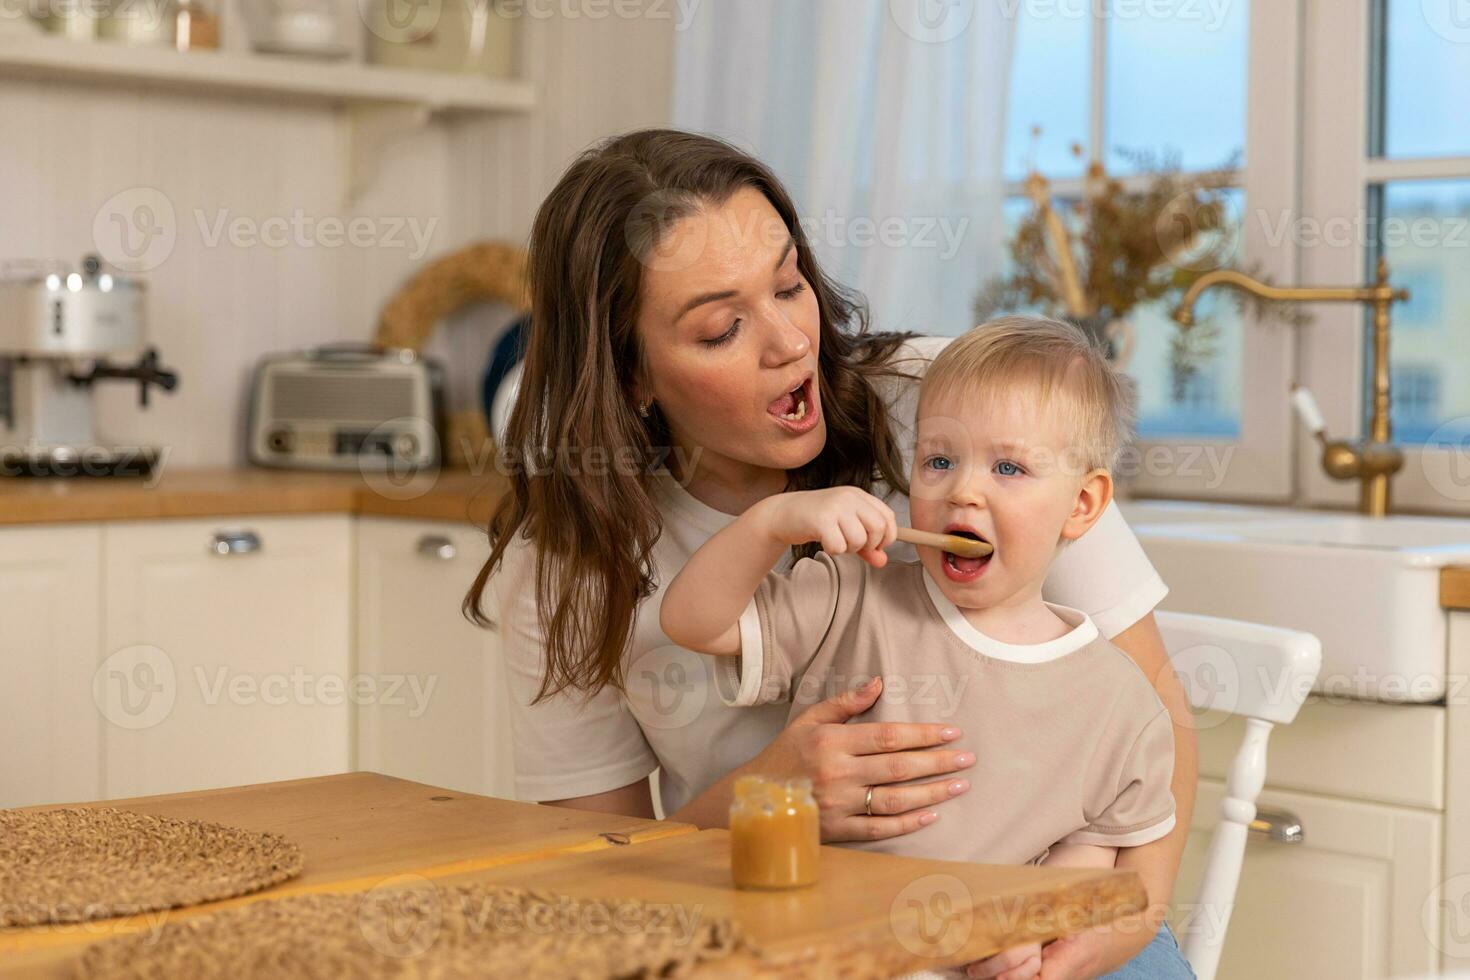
x=224, y=73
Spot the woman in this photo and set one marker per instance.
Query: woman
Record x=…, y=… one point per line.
x=687, y=357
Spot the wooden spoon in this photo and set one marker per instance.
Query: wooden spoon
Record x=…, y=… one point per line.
x=966, y=547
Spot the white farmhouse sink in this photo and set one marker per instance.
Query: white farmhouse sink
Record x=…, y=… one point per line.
x=1367, y=587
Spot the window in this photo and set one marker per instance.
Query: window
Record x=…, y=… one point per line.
x=1196, y=86
x=1387, y=146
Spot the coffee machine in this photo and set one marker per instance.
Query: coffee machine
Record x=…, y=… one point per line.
x=61, y=332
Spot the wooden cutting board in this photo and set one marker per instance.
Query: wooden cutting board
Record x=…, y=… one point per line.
x=870, y=915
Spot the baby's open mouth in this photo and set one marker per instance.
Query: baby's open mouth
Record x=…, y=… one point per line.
x=958, y=567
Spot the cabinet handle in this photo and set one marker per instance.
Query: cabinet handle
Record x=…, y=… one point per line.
x=235, y=543
x=436, y=546
x=1277, y=826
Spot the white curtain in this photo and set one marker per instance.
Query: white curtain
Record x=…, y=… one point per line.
x=885, y=119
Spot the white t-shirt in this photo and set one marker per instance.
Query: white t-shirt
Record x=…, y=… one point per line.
x=671, y=714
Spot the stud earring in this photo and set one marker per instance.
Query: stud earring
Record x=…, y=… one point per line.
x=643, y=409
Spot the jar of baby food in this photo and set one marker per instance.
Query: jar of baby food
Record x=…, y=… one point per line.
x=775, y=833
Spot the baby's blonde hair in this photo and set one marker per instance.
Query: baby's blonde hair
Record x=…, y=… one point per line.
x=1047, y=357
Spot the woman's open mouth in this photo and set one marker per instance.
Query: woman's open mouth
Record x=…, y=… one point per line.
x=958, y=568
x=797, y=409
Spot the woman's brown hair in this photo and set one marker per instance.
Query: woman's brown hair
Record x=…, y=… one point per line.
x=593, y=535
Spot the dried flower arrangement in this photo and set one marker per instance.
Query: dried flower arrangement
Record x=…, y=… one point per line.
x=1122, y=246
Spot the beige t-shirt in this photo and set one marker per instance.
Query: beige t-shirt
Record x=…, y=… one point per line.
x=1071, y=743
x=669, y=715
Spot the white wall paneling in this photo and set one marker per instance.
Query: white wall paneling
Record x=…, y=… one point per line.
x=218, y=305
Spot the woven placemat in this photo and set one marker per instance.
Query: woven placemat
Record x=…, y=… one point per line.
x=75, y=864
x=423, y=930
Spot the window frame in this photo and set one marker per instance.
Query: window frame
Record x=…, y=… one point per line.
x=1258, y=463
x=1338, y=175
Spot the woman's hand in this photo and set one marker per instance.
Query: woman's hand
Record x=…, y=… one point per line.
x=843, y=761
x=843, y=519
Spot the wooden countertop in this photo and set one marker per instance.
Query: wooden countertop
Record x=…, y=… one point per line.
x=1454, y=587
x=451, y=495
x=870, y=915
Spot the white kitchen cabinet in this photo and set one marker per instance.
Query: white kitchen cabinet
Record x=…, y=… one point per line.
x=1353, y=900
x=448, y=725
x=230, y=640
x=49, y=630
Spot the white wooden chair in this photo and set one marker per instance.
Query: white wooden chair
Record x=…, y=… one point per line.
x=1263, y=674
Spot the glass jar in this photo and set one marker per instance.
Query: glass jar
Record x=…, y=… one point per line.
x=196, y=26
x=775, y=833
x=147, y=23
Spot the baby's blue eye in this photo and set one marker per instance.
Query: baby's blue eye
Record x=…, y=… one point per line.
x=1006, y=468
x=939, y=463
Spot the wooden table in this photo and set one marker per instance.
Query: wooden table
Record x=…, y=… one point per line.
x=870, y=915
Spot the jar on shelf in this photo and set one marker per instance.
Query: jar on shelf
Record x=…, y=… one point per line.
x=74, y=19
x=463, y=36
x=196, y=26
x=140, y=22
x=775, y=833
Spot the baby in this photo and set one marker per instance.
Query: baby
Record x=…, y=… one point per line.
x=1018, y=425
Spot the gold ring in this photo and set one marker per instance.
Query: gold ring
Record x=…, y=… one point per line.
x=868, y=803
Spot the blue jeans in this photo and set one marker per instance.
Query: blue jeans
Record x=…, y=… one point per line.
x=1159, y=960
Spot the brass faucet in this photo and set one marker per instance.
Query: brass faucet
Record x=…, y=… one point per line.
x=1375, y=459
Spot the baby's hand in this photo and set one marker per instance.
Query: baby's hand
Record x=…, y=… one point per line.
x=1017, y=963
x=843, y=519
